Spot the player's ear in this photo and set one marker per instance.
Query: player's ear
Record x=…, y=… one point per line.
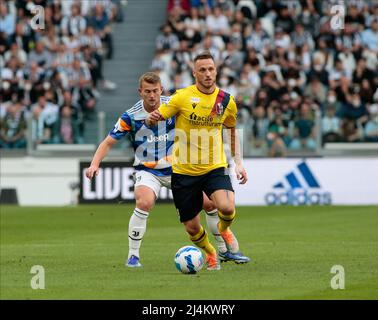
x=161, y=89
x=140, y=91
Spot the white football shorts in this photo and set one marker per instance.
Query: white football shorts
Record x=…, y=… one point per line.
x=145, y=178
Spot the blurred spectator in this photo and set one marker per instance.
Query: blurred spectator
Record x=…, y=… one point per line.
x=351, y=131
x=228, y=83
x=245, y=89
x=76, y=110
x=100, y=21
x=318, y=70
x=309, y=18
x=362, y=73
x=284, y=20
x=218, y=25
x=7, y=20
x=208, y=44
x=24, y=36
x=93, y=54
x=73, y=24
x=45, y=116
x=354, y=108
x=278, y=134
x=67, y=128
x=323, y=57
x=260, y=126
x=41, y=56
x=79, y=79
x=181, y=59
x=336, y=74
x=257, y=38
x=354, y=17
x=232, y=58
x=17, y=53
x=176, y=22
x=194, y=26
x=12, y=73
x=371, y=127
x=247, y=8
x=370, y=36
x=331, y=125
x=281, y=38
x=304, y=136
x=13, y=127
x=332, y=101
x=316, y=90
x=301, y=37
x=166, y=40
x=236, y=35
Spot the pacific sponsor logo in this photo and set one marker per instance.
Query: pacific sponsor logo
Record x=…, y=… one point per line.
x=197, y=120
x=300, y=187
x=195, y=117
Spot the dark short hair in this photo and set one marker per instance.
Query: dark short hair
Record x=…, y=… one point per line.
x=149, y=77
x=203, y=55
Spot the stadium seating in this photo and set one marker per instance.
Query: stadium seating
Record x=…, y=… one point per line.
x=298, y=81
x=52, y=70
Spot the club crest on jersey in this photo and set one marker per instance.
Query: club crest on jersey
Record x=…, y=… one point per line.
x=219, y=109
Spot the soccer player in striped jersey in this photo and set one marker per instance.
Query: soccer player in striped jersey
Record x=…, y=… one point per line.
x=152, y=147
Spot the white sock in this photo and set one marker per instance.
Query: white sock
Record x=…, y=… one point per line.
x=212, y=223
x=137, y=228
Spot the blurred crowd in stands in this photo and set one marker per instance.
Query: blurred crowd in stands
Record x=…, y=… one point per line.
x=51, y=72
x=302, y=74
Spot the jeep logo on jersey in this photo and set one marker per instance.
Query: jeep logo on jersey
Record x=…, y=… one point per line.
x=300, y=187
x=153, y=138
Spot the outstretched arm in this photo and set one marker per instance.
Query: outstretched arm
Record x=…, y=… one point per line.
x=234, y=143
x=99, y=155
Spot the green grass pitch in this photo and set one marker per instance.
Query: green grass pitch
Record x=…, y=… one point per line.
x=83, y=250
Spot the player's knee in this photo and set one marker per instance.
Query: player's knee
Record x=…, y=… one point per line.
x=209, y=206
x=192, y=229
x=144, y=204
x=227, y=209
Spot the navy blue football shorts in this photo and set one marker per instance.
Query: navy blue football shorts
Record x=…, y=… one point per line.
x=187, y=190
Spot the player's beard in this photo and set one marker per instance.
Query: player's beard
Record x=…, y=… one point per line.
x=207, y=84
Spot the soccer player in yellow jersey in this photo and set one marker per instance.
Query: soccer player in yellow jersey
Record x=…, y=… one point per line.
x=199, y=162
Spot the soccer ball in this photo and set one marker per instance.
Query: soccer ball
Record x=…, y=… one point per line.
x=189, y=260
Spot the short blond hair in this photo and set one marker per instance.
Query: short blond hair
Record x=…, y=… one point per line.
x=149, y=77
